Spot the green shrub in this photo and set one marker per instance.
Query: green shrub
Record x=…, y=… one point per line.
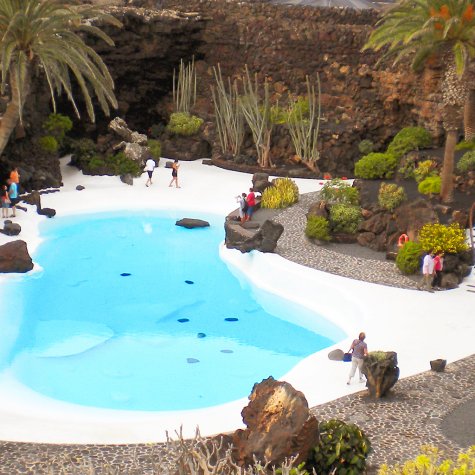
x=155, y=148
x=156, y=130
x=430, y=462
x=340, y=191
x=184, y=124
x=424, y=170
x=390, y=196
x=365, y=147
x=466, y=163
x=345, y=218
x=48, y=144
x=120, y=164
x=318, y=227
x=408, y=257
x=409, y=138
x=58, y=125
x=464, y=145
x=342, y=449
x=439, y=237
x=430, y=186
x=376, y=165
x=407, y=166
x=95, y=162
x=283, y=193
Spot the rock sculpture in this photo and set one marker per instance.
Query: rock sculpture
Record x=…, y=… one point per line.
x=14, y=257
x=381, y=371
x=278, y=423
x=246, y=240
x=134, y=144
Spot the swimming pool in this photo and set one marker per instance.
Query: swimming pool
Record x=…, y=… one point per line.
x=132, y=312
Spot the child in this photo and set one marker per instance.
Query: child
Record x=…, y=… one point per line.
x=5, y=199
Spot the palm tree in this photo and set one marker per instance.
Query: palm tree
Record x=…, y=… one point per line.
x=45, y=37
x=424, y=30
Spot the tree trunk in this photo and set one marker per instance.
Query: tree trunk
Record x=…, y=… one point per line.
x=10, y=118
x=447, y=188
x=469, y=116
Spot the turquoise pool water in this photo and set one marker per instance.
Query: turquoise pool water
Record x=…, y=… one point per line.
x=132, y=312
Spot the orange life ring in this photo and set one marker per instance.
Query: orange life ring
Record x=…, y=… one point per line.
x=403, y=238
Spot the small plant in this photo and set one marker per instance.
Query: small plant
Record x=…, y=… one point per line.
x=464, y=145
x=390, y=196
x=318, y=227
x=342, y=449
x=408, y=257
x=424, y=170
x=377, y=355
x=429, y=462
x=466, y=163
x=184, y=87
x=430, y=186
x=366, y=147
x=182, y=123
x=96, y=162
x=439, y=237
x=48, y=144
x=409, y=138
x=283, y=193
x=376, y=165
x=120, y=164
x=58, y=125
x=155, y=148
x=345, y=218
x=340, y=191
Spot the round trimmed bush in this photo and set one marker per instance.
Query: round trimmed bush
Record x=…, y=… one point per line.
x=184, y=124
x=390, y=196
x=430, y=186
x=408, y=258
x=48, y=144
x=155, y=148
x=424, y=170
x=345, y=218
x=409, y=138
x=466, y=163
x=439, y=237
x=376, y=165
x=340, y=191
x=284, y=192
x=318, y=227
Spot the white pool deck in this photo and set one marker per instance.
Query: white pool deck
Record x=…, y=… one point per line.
x=420, y=326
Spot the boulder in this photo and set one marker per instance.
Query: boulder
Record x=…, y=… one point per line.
x=246, y=240
x=260, y=181
x=449, y=281
x=438, y=365
x=120, y=127
x=364, y=239
x=278, y=423
x=128, y=179
x=14, y=257
x=80, y=188
x=185, y=148
x=190, y=223
x=207, y=161
x=33, y=198
x=336, y=355
x=344, y=238
x=11, y=229
x=376, y=223
x=319, y=209
x=137, y=152
x=411, y=216
x=381, y=371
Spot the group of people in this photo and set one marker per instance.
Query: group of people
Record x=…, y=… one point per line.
x=150, y=166
x=432, y=266
x=247, y=205
x=9, y=196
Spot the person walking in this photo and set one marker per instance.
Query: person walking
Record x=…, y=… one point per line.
x=5, y=199
x=150, y=166
x=15, y=176
x=175, y=167
x=438, y=266
x=13, y=194
x=251, y=204
x=241, y=199
x=428, y=271
x=358, y=350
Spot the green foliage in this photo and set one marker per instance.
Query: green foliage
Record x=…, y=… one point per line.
x=345, y=218
x=155, y=148
x=377, y=355
x=408, y=258
x=48, y=144
x=120, y=164
x=366, y=147
x=342, y=448
x=299, y=470
x=58, y=125
x=429, y=462
x=409, y=138
x=464, y=145
x=318, y=228
x=82, y=151
x=466, y=163
x=96, y=162
x=430, y=186
x=340, y=191
x=283, y=193
x=424, y=170
x=439, y=237
x=376, y=165
x=182, y=123
x=390, y=196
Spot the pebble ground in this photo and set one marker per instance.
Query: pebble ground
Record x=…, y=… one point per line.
x=429, y=408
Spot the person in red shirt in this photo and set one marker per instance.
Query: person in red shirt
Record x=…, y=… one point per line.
x=438, y=266
x=251, y=204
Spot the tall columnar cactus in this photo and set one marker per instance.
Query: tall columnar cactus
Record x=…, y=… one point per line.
x=184, y=87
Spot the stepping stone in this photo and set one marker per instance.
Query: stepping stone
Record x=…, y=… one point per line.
x=189, y=282
x=231, y=319
x=192, y=360
x=183, y=320
x=227, y=351
x=125, y=274
x=201, y=335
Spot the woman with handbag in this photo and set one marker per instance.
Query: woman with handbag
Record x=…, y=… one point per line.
x=358, y=350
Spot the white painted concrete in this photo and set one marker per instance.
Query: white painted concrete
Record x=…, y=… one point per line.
x=419, y=326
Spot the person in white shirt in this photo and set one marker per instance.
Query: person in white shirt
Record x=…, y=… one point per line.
x=149, y=167
x=428, y=271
